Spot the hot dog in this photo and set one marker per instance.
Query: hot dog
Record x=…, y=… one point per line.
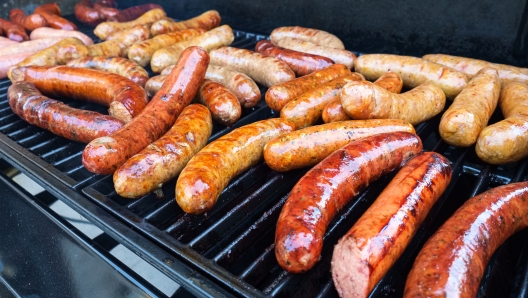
x=117, y=65
x=364, y=100
x=469, y=114
x=105, y=155
x=106, y=7
x=165, y=158
x=6, y=61
x=506, y=141
x=222, y=103
x=30, y=46
x=13, y=31
x=218, y=37
x=414, y=72
x=74, y=124
x=308, y=146
x=381, y=234
x=328, y=187
x=281, y=94
x=124, y=98
x=4, y=41
x=41, y=33
x=453, y=260
x=142, y=52
x=207, y=20
x=106, y=29
x=301, y=63
x=338, y=56
x=223, y=159
x=315, y=36
x=30, y=22
x=52, y=13
x=133, y=12
x=85, y=13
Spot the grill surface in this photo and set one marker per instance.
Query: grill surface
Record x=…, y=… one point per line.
x=233, y=244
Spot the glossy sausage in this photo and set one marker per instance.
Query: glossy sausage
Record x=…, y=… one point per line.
x=86, y=14
x=315, y=36
x=52, y=13
x=106, y=7
x=338, y=56
x=105, y=29
x=222, y=103
x=13, y=31
x=154, y=84
x=41, y=33
x=30, y=22
x=207, y=20
x=133, y=12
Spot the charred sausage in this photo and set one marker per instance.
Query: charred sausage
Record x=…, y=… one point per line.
x=222, y=103
x=318, y=37
x=30, y=22
x=207, y=20
x=106, y=29
x=338, y=56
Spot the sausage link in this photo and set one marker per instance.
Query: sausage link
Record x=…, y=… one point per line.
x=124, y=98
x=507, y=141
x=30, y=22
x=133, y=12
x=452, y=262
x=46, y=32
x=52, y=13
x=364, y=100
x=6, y=61
x=105, y=29
x=222, y=103
x=328, y=187
x=471, y=110
x=281, y=94
x=117, y=65
x=70, y=123
x=164, y=159
x=306, y=110
x=301, y=63
x=308, y=146
x=154, y=84
x=379, y=237
x=315, y=36
x=86, y=14
x=210, y=40
x=30, y=46
x=13, y=31
x=338, y=56
x=210, y=170
x=4, y=41
x=107, y=8
x=207, y=20
x=105, y=155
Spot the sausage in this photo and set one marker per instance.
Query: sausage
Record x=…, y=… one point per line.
x=70, y=123
x=328, y=187
x=379, y=237
x=164, y=159
x=30, y=22
x=142, y=52
x=154, y=84
x=470, y=67
x=471, y=110
x=318, y=37
x=4, y=41
x=222, y=103
x=452, y=262
x=210, y=40
x=133, y=12
x=13, y=31
x=207, y=20
x=306, y=110
x=338, y=56
x=334, y=111
x=117, y=47
x=301, y=63
x=6, y=61
x=86, y=14
x=107, y=8
x=414, y=72
x=364, y=100
x=105, y=155
x=507, y=141
x=30, y=46
x=308, y=146
x=124, y=98
x=117, y=65
x=41, y=33
x=106, y=29
x=52, y=13
x=209, y=171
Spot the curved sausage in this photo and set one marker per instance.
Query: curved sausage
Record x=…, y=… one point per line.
x=106, y=7
x=308, y=146
x=452, y=262
x=46, y=32
x=471, y=110
x=105, y=29
x=379, y=237
x=164, y=159
x=52, y=13
x=13, y=31
x=105, y=155
x=315, y=36
x=124, y=98
x=209, y=171
x=70, y=123
x=328, y=187
x=301, y=63
x=134, y=12
x=507, y=141
x=207, y=20
x=86, y=14
x=279, y=95
x=30, y=46
x=222, y=103
x=30, y=22
x=117, y=65
x=338, y=56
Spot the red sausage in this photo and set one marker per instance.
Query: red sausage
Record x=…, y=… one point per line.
x=133, y=12
x=13, y=31
x=52, y=13
x=88, y=15
x=30, y=22
x=106, y=7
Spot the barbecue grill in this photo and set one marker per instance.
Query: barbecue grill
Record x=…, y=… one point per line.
x=229, y=251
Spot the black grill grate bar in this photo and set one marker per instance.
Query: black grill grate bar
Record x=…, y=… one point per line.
x=482, y=182
x=261, y=266
x=12, y=120
x=55, y=151
x=27, y=139
x=68, y=158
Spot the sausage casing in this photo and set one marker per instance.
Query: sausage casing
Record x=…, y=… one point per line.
x=316, y=36
x=105, y=29
x=338, y=56
x=30, y=22
x=85, y=13
x=207, y=20
x=222, y=103
x=52, y=13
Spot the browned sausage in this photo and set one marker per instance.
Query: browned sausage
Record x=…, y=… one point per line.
x=328, y=187
x=13, y=31
x=315, y=36
x=105, y=155
x=452, y=262
x=281, y=94
x=154, y=84
x=105, y=29
x=207, y=20
x=30, y=22
x=106, y=7
x=85, y=13
x=52, y=13
x=133, y=12
x=165, y=158
x=124, y=98
x=209, y=171
x=337, y=55
x=308, y=146
x=381, y=234
x=222, y=103
x=74, y=124
x=301, y=63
